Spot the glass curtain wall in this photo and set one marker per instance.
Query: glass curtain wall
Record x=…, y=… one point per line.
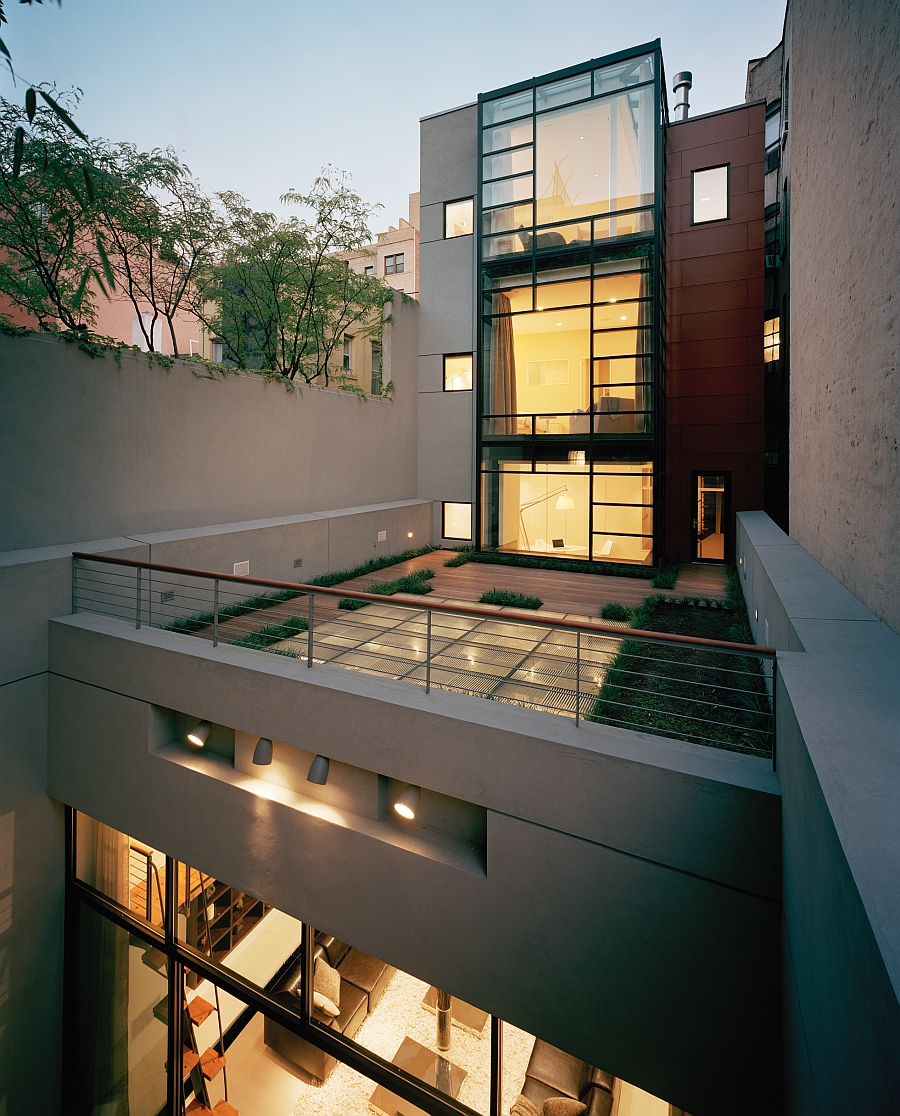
x=570, y=349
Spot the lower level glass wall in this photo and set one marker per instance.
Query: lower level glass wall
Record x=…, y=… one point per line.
x=379, y=1041
x=568, y=508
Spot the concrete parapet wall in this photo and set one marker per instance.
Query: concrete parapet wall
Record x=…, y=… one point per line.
x=838, y=762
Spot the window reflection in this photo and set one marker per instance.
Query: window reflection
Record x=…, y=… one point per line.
x=459, y=218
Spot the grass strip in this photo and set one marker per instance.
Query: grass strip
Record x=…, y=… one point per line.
x=666, y=575
x=508, y=597
x=351, y=604
x=688, y=693
x=202, y=620
x=566, y=565
x=373, y=565
x=262, y=638
x=412, y=583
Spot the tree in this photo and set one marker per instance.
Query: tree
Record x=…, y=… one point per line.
x=282, y=297
x=49, y=254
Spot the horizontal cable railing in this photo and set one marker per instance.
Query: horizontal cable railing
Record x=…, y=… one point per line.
x=701, y=690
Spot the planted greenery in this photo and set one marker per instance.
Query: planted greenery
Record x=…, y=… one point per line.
x=613, y=610
x=202, y=620
x=508, y=597
x=688, y=693
x=412, y=583
x=351, y=604
x=526, y=561
x=371, y=566
x=666, y=575
x=263, y=637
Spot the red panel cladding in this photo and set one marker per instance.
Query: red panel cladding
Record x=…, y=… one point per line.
x=715, y=306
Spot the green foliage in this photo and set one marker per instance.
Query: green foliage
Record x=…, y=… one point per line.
x=415, y=582
x=350, y=604
x=666, y=575
x=526, y=561
x=262, y=638
x=282, y=296
x=371, y=566
x=508, y=597
x=200, y=620
x=613, y=610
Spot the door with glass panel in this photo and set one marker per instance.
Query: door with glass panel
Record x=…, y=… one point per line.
x=710, y=516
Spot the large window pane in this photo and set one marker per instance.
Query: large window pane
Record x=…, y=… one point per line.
x=543, y=512
x=459, y=218
x=622, y=74
x=709, y=195
x=506, y=192
x=563, y=92
x=595, y=157
x=508, y=219
x=508, y=135
x=511, y=162
x=126, y=870
x=507, y=108
x=121, y=1033
x=623, y=507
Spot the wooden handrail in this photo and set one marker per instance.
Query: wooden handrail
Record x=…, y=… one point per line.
x=464, y=610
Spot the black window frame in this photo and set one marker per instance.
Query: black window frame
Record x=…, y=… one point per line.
x=714, y=220
x=472, y=529
x=454, y=391
x=455, y=201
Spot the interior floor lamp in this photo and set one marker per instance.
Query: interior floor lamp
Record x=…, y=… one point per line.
x=564, y=503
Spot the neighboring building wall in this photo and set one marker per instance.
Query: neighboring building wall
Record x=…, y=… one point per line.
x=449, y=171
x=714, y=375
x=844, y=133
x=92, y=449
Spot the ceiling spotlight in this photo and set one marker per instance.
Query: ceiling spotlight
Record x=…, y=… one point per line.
x=318, y=771
x=408, y=802
x=200, y=733
x=262, y=753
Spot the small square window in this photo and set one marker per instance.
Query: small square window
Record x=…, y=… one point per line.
x=459, y=218
x=370, y=269
x=398, y=262
x=458, y=522
x=389, y=265
x=709, y=195
x=771, y=339
x=458, y=372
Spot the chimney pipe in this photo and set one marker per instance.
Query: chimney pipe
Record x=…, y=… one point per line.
x=681, y=87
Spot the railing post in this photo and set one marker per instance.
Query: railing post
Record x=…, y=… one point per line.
x=74, y=585
x=774, y=719
x=577, y=678
x=428, y=654
x=137, y=614
x=150, y=890
x=309, y=629
x=216, y=613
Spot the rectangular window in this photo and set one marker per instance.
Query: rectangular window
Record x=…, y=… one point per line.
x=389, y=265
x=370, y=269
x=457, y=522
x=458, y=372
x=398, y=263
x=347, y=362
x=710, y=195
x=459, y=218
x=376, y=369
x=771, y=339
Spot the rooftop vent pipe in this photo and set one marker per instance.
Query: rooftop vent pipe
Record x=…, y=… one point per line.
x=681, y=87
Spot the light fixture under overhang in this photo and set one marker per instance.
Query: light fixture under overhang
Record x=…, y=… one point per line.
x=407, y=802
x=318, y=771
x=262, y=753
x=200, y=733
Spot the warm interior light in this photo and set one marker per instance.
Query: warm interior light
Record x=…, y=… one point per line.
x=565, y=502
x=318, y=771
x=409, y=534
x=262, y=753
x=200, y=733
x=408, y=802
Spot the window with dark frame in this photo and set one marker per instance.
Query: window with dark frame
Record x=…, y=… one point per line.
x=458, y=371
x=369, y=269
x=347, y=361
x=711, y=194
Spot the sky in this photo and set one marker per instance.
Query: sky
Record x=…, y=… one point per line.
x=257, y=95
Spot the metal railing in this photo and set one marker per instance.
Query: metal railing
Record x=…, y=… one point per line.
x=146, y=873
x=700, y=690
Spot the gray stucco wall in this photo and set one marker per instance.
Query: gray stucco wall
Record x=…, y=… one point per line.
x=89, y=449
x=449, y=171
x=838, y=710
x=844, y=132
x=629, y=909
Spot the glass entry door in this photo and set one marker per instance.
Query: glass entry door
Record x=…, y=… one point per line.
x=709, y=517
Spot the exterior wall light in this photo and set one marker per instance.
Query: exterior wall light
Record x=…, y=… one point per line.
x=200, y=733
x=408, y=802
x=409, y=534
x=318, y=771
x=262, y=753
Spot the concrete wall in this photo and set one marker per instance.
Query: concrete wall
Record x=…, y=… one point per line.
x=838, y=709
x=714, y=374
x=844, y=128
x=449, y=171
x=92, y=450
x=628, y=911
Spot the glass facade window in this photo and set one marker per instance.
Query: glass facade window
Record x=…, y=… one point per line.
x=771, y=339
x=571, y=330
x=459, y=218
x=710, y=195
x=457, y=521
x=122, y=868
x=458, y=372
